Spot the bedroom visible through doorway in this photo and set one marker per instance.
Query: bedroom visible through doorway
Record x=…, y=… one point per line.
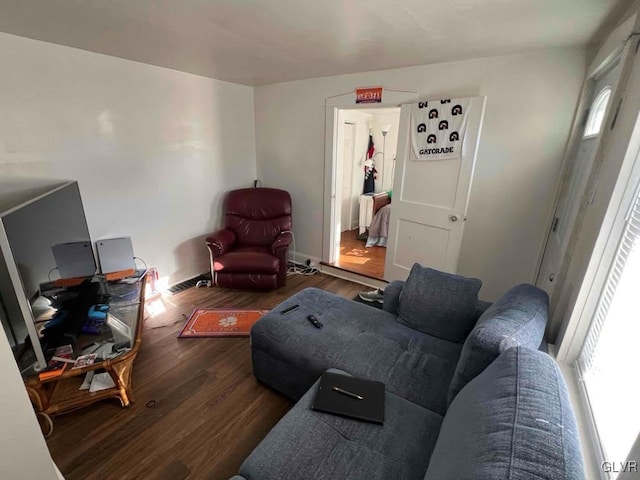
x=366, y=144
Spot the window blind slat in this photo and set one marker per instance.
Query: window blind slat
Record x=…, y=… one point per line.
x=629, y=239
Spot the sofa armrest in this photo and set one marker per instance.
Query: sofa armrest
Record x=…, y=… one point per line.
x=518, y=318
x=221, y=242
x=282, y=240
x=280, y=249
x=391, y=300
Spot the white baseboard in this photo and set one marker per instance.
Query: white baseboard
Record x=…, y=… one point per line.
x=353, y=277
x=301, y=258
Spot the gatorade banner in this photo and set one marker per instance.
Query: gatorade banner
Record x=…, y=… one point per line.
x=437, y=128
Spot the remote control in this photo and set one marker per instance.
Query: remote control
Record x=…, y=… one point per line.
x=314, y=321
x=290, y=309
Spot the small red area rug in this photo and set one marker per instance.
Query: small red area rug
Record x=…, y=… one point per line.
x=220, y=322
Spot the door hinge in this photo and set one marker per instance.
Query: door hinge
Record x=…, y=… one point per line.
x=554, y=225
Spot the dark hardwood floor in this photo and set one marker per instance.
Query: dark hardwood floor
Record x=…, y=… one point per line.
x=198, y=410
x=355, y=257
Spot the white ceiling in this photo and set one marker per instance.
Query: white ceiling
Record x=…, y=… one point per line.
x=256, y=42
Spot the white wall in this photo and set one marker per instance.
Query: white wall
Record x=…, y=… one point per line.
x=153, y=149
x=362, y=122
x=531, y=100
x=23, y=451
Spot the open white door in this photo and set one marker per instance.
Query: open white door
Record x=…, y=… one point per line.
x=429, y=203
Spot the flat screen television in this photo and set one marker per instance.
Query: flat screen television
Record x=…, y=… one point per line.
x=34, y=216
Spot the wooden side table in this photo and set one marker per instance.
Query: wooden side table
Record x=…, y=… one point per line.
x=62, y=393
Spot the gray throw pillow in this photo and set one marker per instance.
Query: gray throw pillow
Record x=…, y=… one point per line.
x=438, y=303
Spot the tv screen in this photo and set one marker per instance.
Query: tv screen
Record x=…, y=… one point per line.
x=34, y=216
x=36, y=226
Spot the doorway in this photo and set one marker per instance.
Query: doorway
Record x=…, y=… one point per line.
x=365, y=145
x=335, y=109
x=573, y=191
x=436, y=181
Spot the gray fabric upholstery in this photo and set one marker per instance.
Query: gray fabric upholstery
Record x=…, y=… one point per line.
x=543, y=347
x=481, y=307
x=439, y=303
x=508, y=418
x=289, y=354
x=514, y=421
x=312, y=445
x=391, y=300
x=519, y=317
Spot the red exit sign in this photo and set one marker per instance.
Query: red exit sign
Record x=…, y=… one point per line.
x=369, y=95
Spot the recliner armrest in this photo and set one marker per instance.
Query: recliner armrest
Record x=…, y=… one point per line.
x=221, y=241
x=391, y=299
x=282, y=240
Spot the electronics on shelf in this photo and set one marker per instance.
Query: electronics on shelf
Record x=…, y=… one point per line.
x=74, y=259
x=115, y=254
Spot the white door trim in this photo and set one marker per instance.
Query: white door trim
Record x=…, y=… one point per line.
x=564, y=287
x=611, y=51
x=569, y=158
x=620, y=147
x=346, y=101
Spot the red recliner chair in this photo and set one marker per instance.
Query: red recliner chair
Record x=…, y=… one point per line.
x=251, y=251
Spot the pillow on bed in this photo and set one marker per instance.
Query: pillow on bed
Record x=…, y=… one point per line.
x=439, y=304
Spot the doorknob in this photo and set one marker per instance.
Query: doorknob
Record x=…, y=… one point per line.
x=454, y=218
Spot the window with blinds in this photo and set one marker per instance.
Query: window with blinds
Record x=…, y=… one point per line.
x=610, y=357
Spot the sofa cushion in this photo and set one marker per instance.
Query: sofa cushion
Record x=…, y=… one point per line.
x=438, y=303
x=519, y=317
x=514, y=421
x=312, y=445
x=289, y=354
x=391, y=301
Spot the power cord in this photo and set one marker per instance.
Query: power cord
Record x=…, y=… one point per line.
x=146, y=268
x=297, y=268
x=51, y=271
x=48, y=422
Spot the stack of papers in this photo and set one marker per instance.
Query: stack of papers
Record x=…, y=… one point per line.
x=94, y=382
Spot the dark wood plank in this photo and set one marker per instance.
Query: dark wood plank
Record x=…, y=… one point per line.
x=198, y=410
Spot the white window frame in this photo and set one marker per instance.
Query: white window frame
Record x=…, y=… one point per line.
x=631, y=192
x=604, y=255
x=621, y=149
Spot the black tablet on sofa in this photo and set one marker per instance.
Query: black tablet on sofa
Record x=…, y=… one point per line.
x=352, y=397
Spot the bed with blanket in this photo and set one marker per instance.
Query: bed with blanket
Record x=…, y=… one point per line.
x=379, y=228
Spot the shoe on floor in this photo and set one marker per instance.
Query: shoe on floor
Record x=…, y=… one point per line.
x=372, y=296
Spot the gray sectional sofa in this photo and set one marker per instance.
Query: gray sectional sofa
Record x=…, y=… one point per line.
x=468, y=393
